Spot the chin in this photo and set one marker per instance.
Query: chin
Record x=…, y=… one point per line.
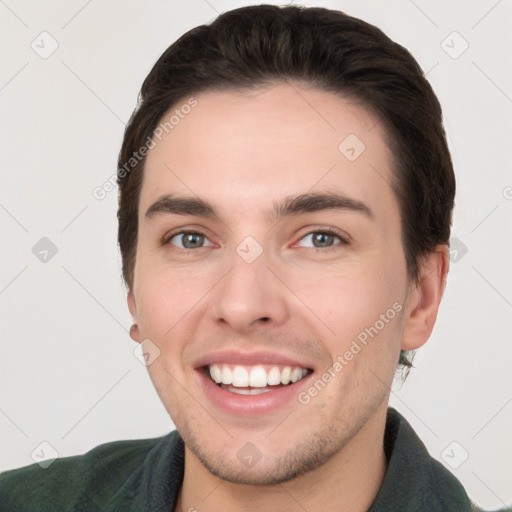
x=263, y=469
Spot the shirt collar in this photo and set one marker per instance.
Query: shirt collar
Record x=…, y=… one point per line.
x=414, y=481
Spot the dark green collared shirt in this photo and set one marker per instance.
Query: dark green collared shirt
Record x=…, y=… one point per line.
x=145, y=475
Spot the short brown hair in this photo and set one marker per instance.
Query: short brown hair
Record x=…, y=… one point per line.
x=262, y=45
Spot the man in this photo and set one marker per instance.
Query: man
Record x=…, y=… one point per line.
x=285, y=204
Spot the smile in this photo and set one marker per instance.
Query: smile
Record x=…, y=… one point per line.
x=256, y=379
x=252, y=383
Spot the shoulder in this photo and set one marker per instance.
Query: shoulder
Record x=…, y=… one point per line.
x=80, y=482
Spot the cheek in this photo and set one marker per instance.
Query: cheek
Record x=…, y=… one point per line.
x=346, y=302
x=166, y=298
x=357, y=317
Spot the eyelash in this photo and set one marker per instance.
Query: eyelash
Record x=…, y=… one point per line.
x=166, y=240
x=324, y=231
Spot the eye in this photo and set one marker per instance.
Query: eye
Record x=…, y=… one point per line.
x=323, y=239
x=188, y=240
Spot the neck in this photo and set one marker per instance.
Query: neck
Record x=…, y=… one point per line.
x=348, y=481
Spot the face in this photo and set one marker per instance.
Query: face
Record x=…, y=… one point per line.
x=272, y=278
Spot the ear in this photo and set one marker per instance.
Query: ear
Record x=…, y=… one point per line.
x=424, y=298
x=134, y=330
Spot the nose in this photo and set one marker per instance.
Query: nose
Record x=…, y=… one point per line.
x=249, y=296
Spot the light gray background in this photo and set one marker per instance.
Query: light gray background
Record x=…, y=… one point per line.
x=68, y=376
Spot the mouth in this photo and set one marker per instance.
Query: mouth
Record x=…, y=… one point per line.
x=255, y=379
x=252, y=383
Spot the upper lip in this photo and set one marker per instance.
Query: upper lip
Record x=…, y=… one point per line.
x=249, y=358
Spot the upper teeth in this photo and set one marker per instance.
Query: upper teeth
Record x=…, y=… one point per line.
x=255, y=376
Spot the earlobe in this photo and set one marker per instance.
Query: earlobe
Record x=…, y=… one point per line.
x=134, y=329
x=135, y=333
x=424, y=299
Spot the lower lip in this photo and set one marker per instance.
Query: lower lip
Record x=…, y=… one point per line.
x=250, y=405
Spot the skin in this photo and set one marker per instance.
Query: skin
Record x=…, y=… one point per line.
x=242, y=151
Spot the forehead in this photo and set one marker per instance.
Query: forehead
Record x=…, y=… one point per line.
x=264, y=144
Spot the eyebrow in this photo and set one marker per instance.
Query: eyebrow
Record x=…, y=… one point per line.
x=290, y=206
